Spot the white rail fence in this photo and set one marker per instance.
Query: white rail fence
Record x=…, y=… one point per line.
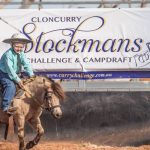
x=73, y=3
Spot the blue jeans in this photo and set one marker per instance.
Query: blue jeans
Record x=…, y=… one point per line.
x=9, y=90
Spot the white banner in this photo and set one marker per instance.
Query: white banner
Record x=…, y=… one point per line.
x=81, y=39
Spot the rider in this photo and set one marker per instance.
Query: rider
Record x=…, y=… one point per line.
x=11, y=63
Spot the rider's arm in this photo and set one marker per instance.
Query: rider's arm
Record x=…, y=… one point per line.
x=26, y=65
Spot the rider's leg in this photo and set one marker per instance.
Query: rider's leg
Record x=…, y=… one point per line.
x=9, y=90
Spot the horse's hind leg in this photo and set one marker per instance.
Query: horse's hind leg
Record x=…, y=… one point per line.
x=36, y=124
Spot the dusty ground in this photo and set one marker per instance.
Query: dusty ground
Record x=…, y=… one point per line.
x=65, y=145
x=118, y=138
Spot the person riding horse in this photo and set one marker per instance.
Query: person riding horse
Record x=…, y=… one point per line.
x=11, y=63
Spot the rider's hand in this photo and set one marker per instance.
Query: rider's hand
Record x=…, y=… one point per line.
x=21, y=85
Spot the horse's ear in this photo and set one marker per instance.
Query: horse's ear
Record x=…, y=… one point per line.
x=59, y=81
x=44, y=81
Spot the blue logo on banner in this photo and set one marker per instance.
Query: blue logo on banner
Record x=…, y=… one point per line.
x=96, y=75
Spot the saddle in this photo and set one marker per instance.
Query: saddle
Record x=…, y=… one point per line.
x=19, y=92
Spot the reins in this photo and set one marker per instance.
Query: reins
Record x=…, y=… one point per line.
x=29, y=95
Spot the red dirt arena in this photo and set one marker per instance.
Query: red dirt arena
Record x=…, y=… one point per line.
x=69, y=146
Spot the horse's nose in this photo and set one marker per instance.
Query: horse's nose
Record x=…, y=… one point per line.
x=57, y=113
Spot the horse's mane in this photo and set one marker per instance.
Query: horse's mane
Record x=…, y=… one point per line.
x=58, y=90
x=56, y=87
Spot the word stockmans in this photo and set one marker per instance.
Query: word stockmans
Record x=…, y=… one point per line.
x=70, y=43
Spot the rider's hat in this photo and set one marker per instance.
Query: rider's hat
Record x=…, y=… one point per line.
x=17, y=38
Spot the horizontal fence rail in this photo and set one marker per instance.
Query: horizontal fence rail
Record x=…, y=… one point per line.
x=65, y=2
x=106, y=86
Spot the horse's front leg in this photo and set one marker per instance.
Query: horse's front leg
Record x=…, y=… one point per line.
x=20, y=122
x=36, y=124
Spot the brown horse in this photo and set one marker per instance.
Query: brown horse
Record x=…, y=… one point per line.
x=42, y=93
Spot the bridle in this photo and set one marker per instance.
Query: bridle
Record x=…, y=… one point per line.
x=47, y=97
x=48, y=104
x=49, y=101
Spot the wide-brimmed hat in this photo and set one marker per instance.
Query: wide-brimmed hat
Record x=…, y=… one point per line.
x=17, y=37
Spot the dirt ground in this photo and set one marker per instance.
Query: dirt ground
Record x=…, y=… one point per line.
x=67, y=145
x=111, y=138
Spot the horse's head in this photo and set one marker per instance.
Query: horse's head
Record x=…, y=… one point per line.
x=47, y=95
x=53, y=94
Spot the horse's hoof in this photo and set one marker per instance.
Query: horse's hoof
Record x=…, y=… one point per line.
x=22, y=148
x=29, y=145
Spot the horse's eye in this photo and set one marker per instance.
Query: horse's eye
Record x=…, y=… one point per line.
x=49, y=95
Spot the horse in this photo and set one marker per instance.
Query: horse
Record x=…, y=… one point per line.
x=40, y=94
